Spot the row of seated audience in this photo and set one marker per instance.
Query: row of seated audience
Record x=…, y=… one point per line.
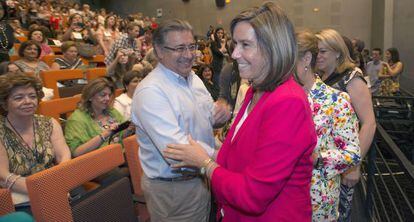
x=33, y=142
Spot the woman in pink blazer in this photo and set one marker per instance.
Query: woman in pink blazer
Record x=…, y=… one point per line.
x=264, y=168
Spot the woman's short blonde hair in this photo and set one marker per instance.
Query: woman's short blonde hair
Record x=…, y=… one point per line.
x=334, y=41
x=94, y=87
x=10, y=81
x=276, y=39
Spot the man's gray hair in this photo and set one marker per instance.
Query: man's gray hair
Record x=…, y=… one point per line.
x=158, y=37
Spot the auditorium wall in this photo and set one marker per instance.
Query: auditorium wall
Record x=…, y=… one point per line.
x=351, y=17
x=403, y=39
x=368, y=20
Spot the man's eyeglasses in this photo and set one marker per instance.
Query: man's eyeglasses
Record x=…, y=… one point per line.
x=180, y=49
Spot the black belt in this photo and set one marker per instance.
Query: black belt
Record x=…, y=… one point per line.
x=175, y=179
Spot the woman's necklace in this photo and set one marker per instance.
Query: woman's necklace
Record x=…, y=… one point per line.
x=106, y=122
x=25, y=144
x=4, y=41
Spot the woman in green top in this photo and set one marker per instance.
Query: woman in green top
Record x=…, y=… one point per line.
x=89, y=127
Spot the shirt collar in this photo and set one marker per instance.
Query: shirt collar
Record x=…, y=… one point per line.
x=175, y=76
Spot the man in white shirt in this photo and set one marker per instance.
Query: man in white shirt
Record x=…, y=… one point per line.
x=170, y=104
x=373, y=68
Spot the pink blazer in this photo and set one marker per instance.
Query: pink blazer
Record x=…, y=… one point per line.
x=265, y=172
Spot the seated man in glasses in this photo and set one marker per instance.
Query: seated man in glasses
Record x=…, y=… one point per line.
x=172, y=106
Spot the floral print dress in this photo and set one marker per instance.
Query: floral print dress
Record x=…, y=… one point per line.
x=338, y=147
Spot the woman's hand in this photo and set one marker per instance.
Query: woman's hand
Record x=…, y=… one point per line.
x=190, y=155
x=352, y=176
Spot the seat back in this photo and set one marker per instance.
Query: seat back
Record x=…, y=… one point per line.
x=56, y=49
x=16, y=47
x=22, y=38
x=51, y=78
x=6, y=203
x=14, y=58
x=98, y=60
x=95, y=73
x=50, y=59
x=56, y=107
x=95, y=207
x=48, y=190
x=131, y=147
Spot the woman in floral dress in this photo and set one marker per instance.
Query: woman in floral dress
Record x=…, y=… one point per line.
x=337, y=130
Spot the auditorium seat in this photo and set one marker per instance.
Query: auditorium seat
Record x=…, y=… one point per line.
x=56, y=49
x=48, y=190
x=14, y=58
x=6, y=204
x=57, y=107
x=16, y=47
x=97, y=60
x=50, y=59
x=132, y=157
x=51, y=78
x=95, y=73
x=21, y=38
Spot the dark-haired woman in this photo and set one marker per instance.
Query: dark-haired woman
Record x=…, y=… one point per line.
x=6, y=34
x=130, y=81
x=205, y=72
x=391, y=72
x=219, y=52
x=29, y=53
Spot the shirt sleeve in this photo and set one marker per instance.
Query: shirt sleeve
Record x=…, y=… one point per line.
x=76, y=131
x=287, y=137
x=119, y=107
x=111, y=55
x=345, y=135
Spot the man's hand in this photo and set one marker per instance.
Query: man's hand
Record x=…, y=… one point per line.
x=221, y=112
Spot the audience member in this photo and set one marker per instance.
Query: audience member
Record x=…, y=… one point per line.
x=219, y=52
x=338, y=71
x=70, y=59
x=336, y=127
x=29, y=52
x=391, y=72
x=92, y=123
x=205, y=72
x=78, y=31
x=130, y=81
x=374, y=69
x=107, y=34
x=125, y=41
x=7, y=38
x=39, y=37
x=29, y=142
x=124, y=61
